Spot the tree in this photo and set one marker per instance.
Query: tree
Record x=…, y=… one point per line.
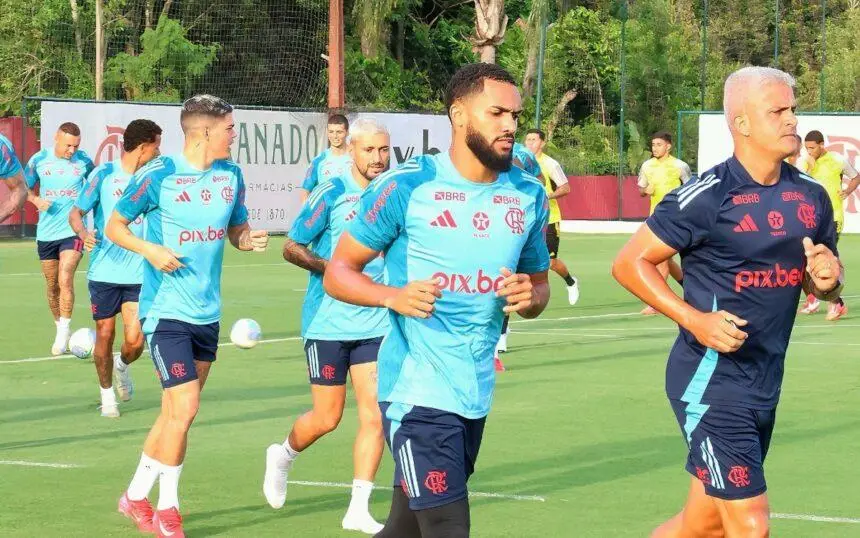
x=167, y=64
x=490, y=25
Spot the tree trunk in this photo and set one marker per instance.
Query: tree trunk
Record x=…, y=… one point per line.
x=165, y=11
x=530, y=76
x=490, y=25
x=77, y=27
x=148, y=9
x=565, y=100
x=400, y=44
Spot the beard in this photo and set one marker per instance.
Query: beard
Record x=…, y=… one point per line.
x=367, y=172
x=485, y=153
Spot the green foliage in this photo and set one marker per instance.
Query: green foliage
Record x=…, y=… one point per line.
x=167, y=64
x=382, y=84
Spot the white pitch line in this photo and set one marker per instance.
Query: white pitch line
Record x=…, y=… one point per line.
x=38, y=464
x=820, y=519
x=225, y=266
x=837, y=344
x=222, y=344
x=569, y=333
x=570, y=318
x=343, y=485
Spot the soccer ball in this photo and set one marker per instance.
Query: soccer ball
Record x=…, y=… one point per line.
x=245, y=333
x=82, y=342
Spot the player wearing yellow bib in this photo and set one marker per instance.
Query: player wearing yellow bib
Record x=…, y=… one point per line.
x=801, y=162
x=658, y=176
x=555, y=183
x=828, y=169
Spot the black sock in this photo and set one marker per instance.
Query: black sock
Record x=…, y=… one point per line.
x=840, y=302
x=569, y=280
x=505, y=324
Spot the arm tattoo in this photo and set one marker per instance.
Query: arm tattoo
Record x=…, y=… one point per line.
x=301, y=256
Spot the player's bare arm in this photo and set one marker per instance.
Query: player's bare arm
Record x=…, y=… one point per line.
x=17, y=196
x=560, y=192
x=635, y=268
x=41, y=204
x=526, y=294
x=852, y=186
x=345, y=282
x=76, y=221
x=159, y=256
x=301, y=256
x=242, y=237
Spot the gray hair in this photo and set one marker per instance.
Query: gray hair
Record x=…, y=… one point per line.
x=203, y=105
x=366, y=127
x=748, y=79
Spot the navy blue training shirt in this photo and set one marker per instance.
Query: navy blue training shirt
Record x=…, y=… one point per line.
x=741, y=251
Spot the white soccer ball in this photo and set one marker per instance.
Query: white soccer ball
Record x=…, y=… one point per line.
x=82, y=342
x=245, y=333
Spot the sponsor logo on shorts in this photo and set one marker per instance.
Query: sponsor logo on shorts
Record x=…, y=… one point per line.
x=739, y=475
x=769, y=278
x=177, y=369
x=436, y=482
x=703, y=474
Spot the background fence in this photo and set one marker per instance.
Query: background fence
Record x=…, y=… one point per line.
x=599, y=76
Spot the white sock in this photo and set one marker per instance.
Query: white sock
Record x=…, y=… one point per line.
x=108, y=396
x=64, y=323
x=168, y=487
x=292, y=453
x=144, y=478
x=361, y=490
x=118, y=364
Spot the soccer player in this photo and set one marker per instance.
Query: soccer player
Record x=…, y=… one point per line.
x=334, y=161
x=658, y=176
x=525, y=159
x=193, y=202
x=449, y=287
x=115, y=274
x=751, y=231
x=829, y=168
x=11, y=174
x=339, y=338
x=555, y=182
x=796, y=159
x=60, y=173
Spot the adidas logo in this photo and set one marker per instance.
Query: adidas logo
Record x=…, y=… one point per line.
x=117, y=193
x=445, y=220
x=351, y=215
x=183, y=197
x=747, y=224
